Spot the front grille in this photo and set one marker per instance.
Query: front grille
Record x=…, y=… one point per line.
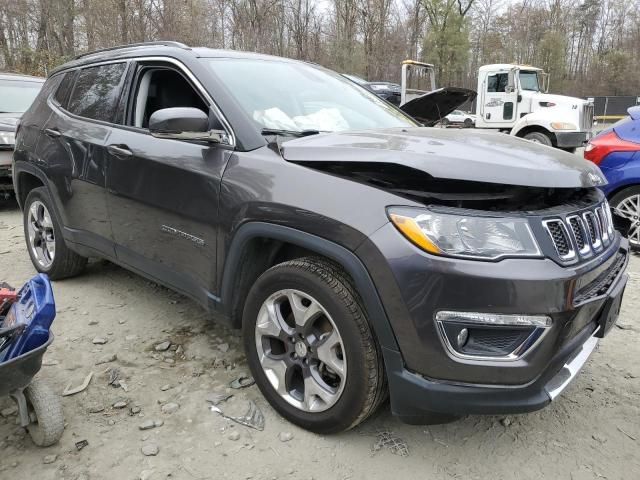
x=559, y=237
x=586, y=120
x=576, y=229
x=583, y=234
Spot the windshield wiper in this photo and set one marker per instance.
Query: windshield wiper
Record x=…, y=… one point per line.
x=292, y=133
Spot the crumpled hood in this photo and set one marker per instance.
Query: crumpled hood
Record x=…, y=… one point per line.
x=478, y=156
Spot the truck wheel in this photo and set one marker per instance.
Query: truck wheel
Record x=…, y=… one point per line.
x=626, y=203
x=310, y=347
x=539, y=137
x=45, y=410
x=43, y=234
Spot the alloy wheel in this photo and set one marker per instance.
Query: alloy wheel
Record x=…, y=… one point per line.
x=41, y=234
x=630, y=209
x=300, y=350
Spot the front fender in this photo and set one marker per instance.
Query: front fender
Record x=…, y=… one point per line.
x=345, y=258
x=537, y=119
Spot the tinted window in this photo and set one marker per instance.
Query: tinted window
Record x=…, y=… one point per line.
x=62, y=93
x=498, y=82
x=96, y=91
x=17, y=95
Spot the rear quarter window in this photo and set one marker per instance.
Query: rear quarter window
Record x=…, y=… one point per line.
x=64, y=88
x=96, y=91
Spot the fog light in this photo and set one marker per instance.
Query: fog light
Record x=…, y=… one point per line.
x=489, y=336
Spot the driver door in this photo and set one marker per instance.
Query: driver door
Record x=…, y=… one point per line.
x=163, y=194
x=500, y=101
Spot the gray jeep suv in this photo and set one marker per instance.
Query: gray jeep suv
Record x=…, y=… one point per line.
x=362, y=254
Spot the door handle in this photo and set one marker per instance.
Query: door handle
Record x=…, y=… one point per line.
x=51, y=132
x=119, y=150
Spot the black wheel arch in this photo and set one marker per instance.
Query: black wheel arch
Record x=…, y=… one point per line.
x=279, y=243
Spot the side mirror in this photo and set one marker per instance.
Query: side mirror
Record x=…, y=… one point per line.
x=511, y=82
x=184, y=123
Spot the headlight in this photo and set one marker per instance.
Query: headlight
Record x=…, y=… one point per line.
x=485, y=238
x=563, y=126
x=7, y=138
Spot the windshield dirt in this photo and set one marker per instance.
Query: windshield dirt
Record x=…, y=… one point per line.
x=296, y=96
x=16, y=96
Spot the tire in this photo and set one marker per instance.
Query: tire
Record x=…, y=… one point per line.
x=617, y=202
x=445, y=122
x=539, y=137
x=63, y=262
x=45, y=408
x=362, y=387
x=468, y=123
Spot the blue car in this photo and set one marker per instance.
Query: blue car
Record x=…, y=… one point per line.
x=617, y=152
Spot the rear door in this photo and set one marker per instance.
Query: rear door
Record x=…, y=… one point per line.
x=73, y=148
x=163, y=194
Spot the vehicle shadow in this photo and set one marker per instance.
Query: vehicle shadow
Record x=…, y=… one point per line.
x=9, y=204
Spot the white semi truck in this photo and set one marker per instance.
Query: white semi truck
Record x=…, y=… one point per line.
x=514, y=99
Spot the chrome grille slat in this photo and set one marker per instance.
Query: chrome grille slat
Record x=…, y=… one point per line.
x=582, y=234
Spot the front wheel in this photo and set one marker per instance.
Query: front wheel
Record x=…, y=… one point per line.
x=45, y=412
x=468, y=123
x=539, y=137
x=310, y=347
x=626, y=203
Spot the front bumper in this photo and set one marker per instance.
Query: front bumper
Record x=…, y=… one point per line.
x=424, y=377
x=572, y=139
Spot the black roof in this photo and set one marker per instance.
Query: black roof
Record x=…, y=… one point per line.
x=160, y=48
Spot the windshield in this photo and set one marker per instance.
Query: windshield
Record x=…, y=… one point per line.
x=297, y=97
x=529, y=81
x=16, y=96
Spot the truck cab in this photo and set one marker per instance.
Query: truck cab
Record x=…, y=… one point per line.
x=514, y=98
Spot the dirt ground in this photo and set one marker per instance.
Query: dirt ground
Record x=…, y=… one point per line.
x=592, y=431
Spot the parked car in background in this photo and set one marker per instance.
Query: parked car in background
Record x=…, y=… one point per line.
x=17, y=92
x=616, y=150
x=362, y=255
x=387, y=90
x=458, y=117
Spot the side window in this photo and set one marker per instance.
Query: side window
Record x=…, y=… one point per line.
x=64, y=88
x=162, y=87
x=497, y=83
x=96, y=91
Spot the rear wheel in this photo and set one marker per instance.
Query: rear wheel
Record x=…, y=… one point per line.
x=539, y=137
x=310, y=346
x=444, y=122
x=43, y=234
x=626, y=203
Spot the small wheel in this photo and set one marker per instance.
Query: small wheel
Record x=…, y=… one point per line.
x=626, y=203
x=43, y=234
x=310, y=347
x=468, y=123
x=539, y=137
x=445, y=122
x=45, y=411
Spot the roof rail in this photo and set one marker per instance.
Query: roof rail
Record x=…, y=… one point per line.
x=142, y=44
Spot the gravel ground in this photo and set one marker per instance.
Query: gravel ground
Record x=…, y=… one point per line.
x=592, y=431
